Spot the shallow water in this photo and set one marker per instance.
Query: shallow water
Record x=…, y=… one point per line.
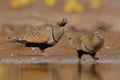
x=60, y=71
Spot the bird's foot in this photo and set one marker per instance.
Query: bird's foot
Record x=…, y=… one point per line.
x=34, y=52
x=84, y=59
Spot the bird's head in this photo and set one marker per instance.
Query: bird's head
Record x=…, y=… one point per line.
x=62, y=22
x=99, y=33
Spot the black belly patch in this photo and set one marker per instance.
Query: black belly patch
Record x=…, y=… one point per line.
x=40, y=45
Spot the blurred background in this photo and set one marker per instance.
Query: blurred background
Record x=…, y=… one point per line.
x=82, y=13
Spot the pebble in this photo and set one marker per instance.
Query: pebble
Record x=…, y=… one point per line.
x=107, y=47
x=105, y=55
x=33, y=58
x=11, y=54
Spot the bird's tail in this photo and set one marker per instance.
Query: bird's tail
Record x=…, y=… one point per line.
x=12, y=39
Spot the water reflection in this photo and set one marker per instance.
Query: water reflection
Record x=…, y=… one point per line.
x=76, y=72
x=57, y=71
x=35, y=72
x=88, y=72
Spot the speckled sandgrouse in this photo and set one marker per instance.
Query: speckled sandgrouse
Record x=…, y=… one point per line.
x=42, y=36
x=87, y=43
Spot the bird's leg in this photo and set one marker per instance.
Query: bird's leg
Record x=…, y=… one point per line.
x=33, y=49
x=43, y=52
x=93, y=56
x=80, y=53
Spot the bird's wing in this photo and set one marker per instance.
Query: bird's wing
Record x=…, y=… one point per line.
x=40, y=27
x=39, y=34
x=78, y=41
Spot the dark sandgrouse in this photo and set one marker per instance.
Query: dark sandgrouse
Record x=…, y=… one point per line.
x=87, y=43
x=42, y=36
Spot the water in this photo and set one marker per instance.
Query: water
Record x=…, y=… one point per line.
x=60, y=71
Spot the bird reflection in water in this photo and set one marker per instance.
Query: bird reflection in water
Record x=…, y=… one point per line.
x=75, y=72
x=87, y=72
x=55, y=71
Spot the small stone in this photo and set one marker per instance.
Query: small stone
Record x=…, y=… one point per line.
x=107, y=47
x=105, y=55
x=33, y=58
x=11, y=54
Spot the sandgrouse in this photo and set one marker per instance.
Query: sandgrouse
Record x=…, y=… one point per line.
x=87, y=43
x=42, y=36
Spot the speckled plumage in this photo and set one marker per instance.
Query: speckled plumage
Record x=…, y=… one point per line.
x=42, y=36
x=87, y=43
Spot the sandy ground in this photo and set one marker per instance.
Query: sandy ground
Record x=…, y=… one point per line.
x=17, y=22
